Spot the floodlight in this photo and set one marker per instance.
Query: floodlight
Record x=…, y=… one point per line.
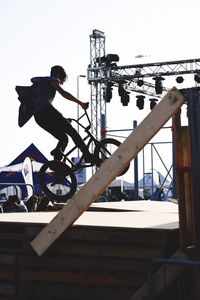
x=197, y=78
x=140, y=82
x=158, y=84
x=121, y=90
x=125, y=98
x=107, y=93
x=108, y=59
x=153, y=102
x=98, y=33
x=112, y=57
x=179, y=79
x=140, y=101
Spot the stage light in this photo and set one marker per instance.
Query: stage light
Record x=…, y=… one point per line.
x=140, y=82
x=98, y=34
x=153, y=102
x=108, y=59
x=107, y=93
x=158, y=84
x=179, y=79
x=125, y=98
x=121, y=90
x=197, y=78
x=112, y=57
x=140, y=101
x=124, y=95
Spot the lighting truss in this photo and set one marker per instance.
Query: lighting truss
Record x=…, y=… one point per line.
x=146, y=89
x=100, y=74
x=128, y=72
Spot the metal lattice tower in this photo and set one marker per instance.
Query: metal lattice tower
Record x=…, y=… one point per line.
x=98, y=107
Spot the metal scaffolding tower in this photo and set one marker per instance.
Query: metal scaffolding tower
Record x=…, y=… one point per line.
x=98, y=106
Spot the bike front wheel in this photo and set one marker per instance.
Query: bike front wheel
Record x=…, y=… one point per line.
x=105, y=148
x=57, y=181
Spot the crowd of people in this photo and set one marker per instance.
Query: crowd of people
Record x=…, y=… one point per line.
x=34, y=203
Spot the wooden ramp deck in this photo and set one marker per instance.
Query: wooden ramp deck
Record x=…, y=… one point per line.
x=105, y=254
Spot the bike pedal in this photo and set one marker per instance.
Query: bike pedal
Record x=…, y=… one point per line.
x=58, y=158
x=57, y=154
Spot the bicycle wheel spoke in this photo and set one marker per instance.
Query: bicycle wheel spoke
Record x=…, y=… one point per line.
x=57, y=181
x=106, y=148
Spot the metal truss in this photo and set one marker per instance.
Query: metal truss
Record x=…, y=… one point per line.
x=100, y=74
x=129, y=72
x=98, y=105
x=169, y=68
x=146, y=89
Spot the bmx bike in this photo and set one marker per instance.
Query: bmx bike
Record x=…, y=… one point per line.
x=64, y=172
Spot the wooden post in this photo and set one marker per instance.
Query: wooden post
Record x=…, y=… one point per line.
x=193, y=97
x=184, y=184
x=161, y=113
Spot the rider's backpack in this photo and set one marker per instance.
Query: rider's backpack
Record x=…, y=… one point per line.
x=26, y=95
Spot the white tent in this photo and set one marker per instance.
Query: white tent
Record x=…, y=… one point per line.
x=122, y=183
x=18, y=167
x=155, y=180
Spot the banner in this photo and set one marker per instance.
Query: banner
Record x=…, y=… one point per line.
x=27, y=172
x=81, y=175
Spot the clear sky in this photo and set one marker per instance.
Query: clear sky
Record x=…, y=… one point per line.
x=36, y=34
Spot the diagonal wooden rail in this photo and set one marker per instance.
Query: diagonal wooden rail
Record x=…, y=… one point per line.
x=155, y=120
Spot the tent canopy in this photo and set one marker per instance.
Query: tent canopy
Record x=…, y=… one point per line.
x=12, y=173
x=37, y=158
x=150, y=180
x=120, y=182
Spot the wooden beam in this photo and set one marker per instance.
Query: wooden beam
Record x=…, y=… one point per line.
x=141, y=135
x=169, y=272
x=184, y=184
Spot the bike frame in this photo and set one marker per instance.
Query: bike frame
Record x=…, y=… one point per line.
x=89, y=138
x=62, y=170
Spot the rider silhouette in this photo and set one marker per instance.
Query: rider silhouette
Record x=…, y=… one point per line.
x=50, y=119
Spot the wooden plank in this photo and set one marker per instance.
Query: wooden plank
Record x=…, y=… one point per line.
x=37, y=290
x=77, y=277
x=161, y=113
x=76, y=262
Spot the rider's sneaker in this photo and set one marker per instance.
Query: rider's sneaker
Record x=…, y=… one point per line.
x=57, y=154
x=90, y=158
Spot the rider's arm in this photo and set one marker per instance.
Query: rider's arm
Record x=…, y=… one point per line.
x=68, y=96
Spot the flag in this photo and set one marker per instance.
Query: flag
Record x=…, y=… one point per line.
x=27, y=172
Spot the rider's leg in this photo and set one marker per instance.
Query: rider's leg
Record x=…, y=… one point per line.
x=58, y=152
x=78, y=141
x=53, y=121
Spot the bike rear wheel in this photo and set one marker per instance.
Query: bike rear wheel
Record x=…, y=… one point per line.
x=105, y=148
x=57, y=181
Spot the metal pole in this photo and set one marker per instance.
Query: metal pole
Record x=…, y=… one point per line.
x=77, y=96
x=136, y=193
x=103, y=126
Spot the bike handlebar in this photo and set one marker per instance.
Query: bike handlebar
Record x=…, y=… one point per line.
x=78, y=120
x=87, y=117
